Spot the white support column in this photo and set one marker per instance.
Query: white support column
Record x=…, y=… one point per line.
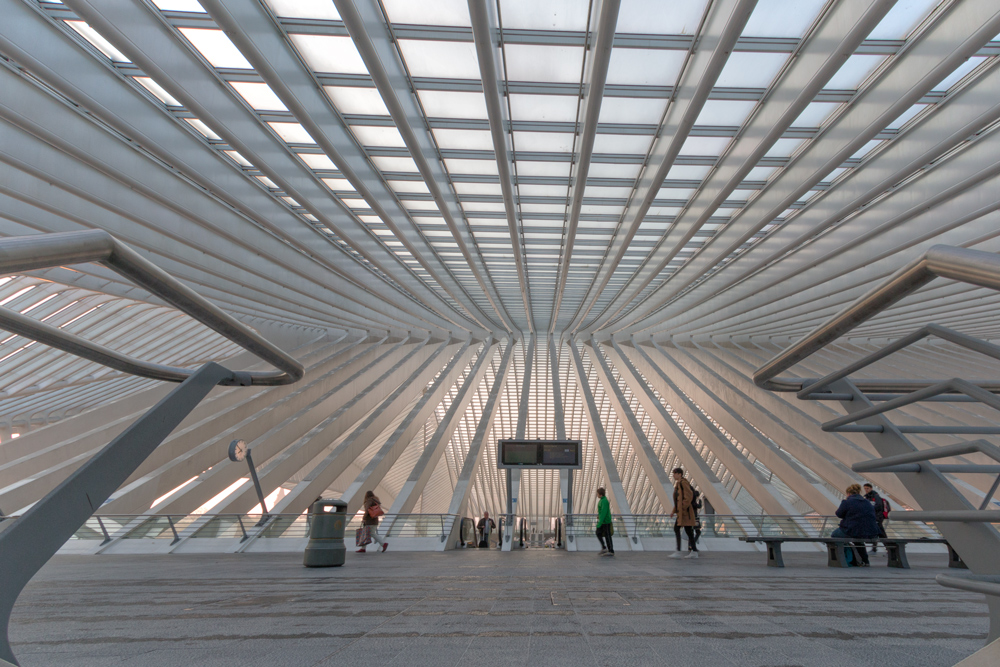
x=466, y=478
x=513, y=475
x=616, y=491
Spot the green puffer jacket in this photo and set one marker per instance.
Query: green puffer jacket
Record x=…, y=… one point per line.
x=603, y=511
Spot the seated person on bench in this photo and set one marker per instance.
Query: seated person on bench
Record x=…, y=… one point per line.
x=857, y=519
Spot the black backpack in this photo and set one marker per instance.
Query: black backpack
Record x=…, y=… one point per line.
x=696, y=499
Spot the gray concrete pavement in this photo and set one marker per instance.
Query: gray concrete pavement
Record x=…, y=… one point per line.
x=537, y=607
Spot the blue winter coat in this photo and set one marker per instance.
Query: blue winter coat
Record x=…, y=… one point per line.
x=857, y=517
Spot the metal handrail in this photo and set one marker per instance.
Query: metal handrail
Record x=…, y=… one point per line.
x=28, y=253
x=974, y=267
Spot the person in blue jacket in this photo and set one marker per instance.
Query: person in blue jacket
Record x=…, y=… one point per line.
x=857, y=519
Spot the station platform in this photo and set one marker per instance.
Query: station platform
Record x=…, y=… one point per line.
x=477, y=607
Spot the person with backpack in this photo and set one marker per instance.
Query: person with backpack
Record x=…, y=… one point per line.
x=369, y=522
x=605, y=529
x=881, y=507
x=687, y=517
x=857, y=520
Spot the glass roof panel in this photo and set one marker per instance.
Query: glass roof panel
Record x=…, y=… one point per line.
x=853, y=72
x=751, y=69
x=536, y=62
x=335, y=54
x=902, y=19
x=614, y=170
x=483, y=167
x=453, y=104
x=548, y=142
x=554, y=108
x=402, y=164
x=179, y=6
x=202, y=128
x=815, y=114
x=348, y=100
x=784, y=147
x=318, y=161
x=549, y=15
x=704, y=145
x=101, y=44
x=960, y=72
x=478, y=188
x=304, y=9
x=408, y=186
x=217, y=48
x=629, y=110
x=635, y=144
x=378, y=135
x=445, y=60
x=660, y=17
x=529, y=168
x=259, y=96
x=533, y=190
x=905, y=117
x=645, y=67
x=292, y=133
x=464, y=139
x=782, y=18
x=428, y=12
x=725, y=112
x=684, y=172
x=157, y=91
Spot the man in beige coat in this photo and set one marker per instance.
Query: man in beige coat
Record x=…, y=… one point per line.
x=685, y=513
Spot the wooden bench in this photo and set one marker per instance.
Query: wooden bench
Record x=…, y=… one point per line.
x=835, y=547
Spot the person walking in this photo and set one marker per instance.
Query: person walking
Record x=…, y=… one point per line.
x=878, y=504
x=685, y=513
x=369, y=522
x=857, y=520
x=604, y=526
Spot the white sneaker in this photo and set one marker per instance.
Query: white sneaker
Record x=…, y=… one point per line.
x=676, y=554
x=692, y=554
x=602, y=552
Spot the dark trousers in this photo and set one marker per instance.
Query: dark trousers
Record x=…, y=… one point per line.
x=859, y=547
x=689, y=530
x=604, y=536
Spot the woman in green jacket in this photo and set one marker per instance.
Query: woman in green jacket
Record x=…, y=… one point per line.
x=604, y=529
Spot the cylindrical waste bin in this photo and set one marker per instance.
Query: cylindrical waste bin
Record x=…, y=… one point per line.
x=327, y=519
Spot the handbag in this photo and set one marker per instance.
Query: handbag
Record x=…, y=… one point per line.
x=362, y=537
x=375, y=511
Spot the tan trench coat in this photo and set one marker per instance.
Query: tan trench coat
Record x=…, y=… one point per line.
x=683, y=495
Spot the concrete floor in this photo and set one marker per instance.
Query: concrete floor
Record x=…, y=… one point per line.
x=538, y=607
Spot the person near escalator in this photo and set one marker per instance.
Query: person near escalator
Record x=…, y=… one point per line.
x=485, y=527
x=605, y=529
x=686, y=515
x=879, y=505
x=857, y=520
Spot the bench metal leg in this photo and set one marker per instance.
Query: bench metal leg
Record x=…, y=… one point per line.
x=896, y=551
x=774, y=554
x=836, y=556
x=954, y=560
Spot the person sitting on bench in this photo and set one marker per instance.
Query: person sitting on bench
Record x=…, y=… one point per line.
x=857, y=519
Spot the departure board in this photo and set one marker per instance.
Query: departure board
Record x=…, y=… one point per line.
x=539, y=454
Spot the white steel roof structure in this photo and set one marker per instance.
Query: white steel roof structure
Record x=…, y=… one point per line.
x=476, y=219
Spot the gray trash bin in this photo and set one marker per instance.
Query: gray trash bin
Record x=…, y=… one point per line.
x=327, y=519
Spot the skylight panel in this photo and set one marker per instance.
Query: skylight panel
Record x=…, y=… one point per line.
x=382, y=136
x=410, y=186
x=547, y=142
x=906, y=116
x=760, y=173
x=866, y=149
x=688, y=172
x=553, y=108
x=205, y=130
x=647, y=111
x=480, y=140
x=751, y=69
x=335, y=54
x=98, y=42
x=660, y=17
x=292, y=133
x=534, y=62
x=644, y=67
x=179, y=6
x=217, y=48
x=364, y=101
x=304, y=9
x=157, y=91
x=483, y=206
x=704, y=146
x=784, y=147
x=533, y=190
x=614, y=170
x=725, y=113
x=443, y=60
x=675, y=193
x=782, y=18
x=960, y=73
x=633, y=144
x=339, y=184
x=473, y=167
x=900, y=21
x=550, y=169
x=403, y=164
x=259, y=96
x=238, y=158
x=453, y=104
x=437, y=12
x=268, y=182
x=319, y=161
x=853, y=72
x=549, y=15
x=815, y=114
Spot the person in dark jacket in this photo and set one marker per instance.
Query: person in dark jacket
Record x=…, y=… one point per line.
x=872, y=496
x=857, y=519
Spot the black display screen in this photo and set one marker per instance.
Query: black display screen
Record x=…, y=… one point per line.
x=539, y=454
